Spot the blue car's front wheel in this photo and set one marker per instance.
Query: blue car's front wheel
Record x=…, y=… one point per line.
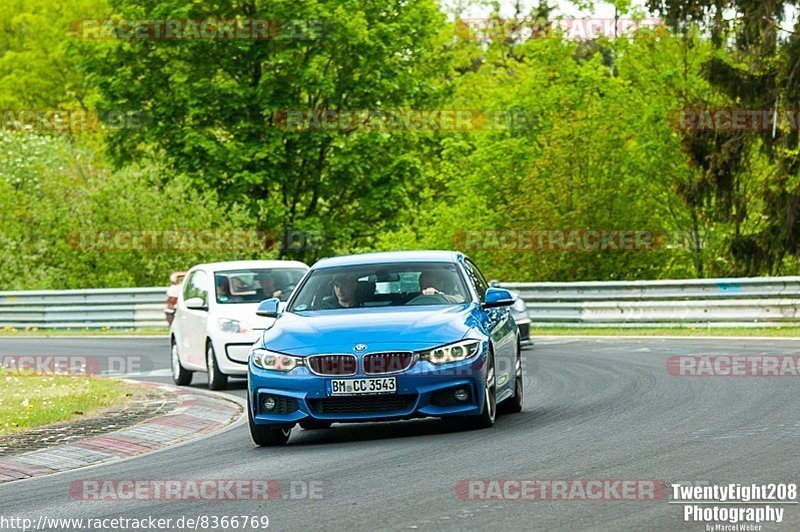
x=513, y=405
x=265, y=435
x=489, y=412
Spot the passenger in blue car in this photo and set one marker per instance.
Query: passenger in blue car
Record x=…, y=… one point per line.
x=433, y=283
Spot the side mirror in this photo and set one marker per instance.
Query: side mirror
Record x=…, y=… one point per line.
x=196, y=303
x=497, y=297
x=269, y=308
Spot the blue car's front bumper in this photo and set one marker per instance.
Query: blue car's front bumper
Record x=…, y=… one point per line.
x=423, y=390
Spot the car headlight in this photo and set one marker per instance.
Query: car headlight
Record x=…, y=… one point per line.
x=452, y=352
x=275, y=361
x=520, y=306
x=232, y=326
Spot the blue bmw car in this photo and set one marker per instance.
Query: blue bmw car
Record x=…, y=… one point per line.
x=381, y=337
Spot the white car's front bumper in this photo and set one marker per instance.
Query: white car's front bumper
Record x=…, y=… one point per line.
x=232, y=350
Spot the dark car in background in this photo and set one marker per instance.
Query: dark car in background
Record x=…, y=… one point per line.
x=519, y=311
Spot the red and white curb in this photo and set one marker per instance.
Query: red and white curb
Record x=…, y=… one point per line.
x=198, y=414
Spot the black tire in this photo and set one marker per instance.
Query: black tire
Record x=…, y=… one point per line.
x=264, y=435
x=486, y=418
x=216, y=379
x=313, y=424
x=180, y=375
x=513, y=405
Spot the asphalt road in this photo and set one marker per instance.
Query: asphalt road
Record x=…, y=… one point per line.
x=594, y=409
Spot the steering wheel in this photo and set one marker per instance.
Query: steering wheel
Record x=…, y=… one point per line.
x=434, y=299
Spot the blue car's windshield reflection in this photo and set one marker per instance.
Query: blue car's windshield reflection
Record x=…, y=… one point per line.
x=381, y=285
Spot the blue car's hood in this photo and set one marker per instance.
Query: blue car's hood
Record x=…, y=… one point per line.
x=385, y=328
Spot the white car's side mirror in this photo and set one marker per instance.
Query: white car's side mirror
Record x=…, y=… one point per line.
x=196, y=303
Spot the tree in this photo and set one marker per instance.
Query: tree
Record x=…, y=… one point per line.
x=588, y=144
x=36, y=70
x=68, y=224
x=747, y=177
x=217, y=109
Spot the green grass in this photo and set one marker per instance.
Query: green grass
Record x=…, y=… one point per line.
x=28, y=400
x=35, y=331
x=789, y=332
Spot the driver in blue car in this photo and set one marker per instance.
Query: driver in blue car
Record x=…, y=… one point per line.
x=345, y=290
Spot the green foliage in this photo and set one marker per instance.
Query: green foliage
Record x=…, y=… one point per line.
x=43, y=220
x=596, y=151
x=746, y=179
x=36, y=71
x=584, y=137
x=216, y=106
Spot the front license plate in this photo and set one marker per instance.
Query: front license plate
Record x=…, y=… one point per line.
x=363, y=386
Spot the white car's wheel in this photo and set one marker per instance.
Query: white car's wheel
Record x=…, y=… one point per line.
x=180, y=375
x=216, y=379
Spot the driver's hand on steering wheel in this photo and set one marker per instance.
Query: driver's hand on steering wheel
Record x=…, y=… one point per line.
x=431, y=292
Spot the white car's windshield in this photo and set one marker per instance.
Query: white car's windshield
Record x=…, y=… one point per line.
x=254, y=285
x=381, y=285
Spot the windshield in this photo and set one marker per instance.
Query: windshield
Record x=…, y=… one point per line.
x=254, y=285
x=381, y=285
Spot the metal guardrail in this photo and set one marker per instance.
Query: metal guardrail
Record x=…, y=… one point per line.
x=731, y=302
x=116, y=308
x=741, y=302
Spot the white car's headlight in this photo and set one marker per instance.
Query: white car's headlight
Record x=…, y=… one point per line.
x=275, y=361
x=233, y=326
x=452, y=352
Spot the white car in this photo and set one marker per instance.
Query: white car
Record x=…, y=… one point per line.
x=215, y=318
